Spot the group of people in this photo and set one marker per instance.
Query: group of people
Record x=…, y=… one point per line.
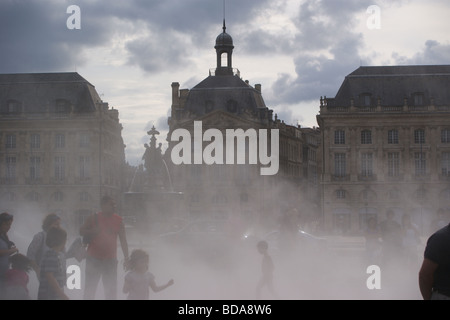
x=391, y=241
x=47, y=255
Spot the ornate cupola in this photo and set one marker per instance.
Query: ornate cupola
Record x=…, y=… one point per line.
x=224, y=45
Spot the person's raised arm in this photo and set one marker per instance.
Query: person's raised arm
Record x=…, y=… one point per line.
x=157, y=288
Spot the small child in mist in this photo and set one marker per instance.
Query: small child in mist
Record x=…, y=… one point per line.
x=16, y=278
x=138, y=279
x=267, y=270
x=52, y=277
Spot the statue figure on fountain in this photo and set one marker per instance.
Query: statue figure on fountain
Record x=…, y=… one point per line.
x=153, y=163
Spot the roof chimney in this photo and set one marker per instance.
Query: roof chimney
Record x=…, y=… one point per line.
x=175, y=94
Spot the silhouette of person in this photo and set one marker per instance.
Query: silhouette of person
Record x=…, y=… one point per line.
x=391, y=237
x=267, y=268
x=101, y=261
x=138, y=279
x=434, y=274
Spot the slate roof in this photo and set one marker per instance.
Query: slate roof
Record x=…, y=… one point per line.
x=392, y=84
x=218, y=91
x=39, y=92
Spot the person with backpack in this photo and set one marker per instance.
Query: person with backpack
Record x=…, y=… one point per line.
x=37, y=246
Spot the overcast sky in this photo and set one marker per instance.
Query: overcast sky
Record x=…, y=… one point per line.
x=132, y=51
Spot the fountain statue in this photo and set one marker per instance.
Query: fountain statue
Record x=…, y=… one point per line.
x=152, y=200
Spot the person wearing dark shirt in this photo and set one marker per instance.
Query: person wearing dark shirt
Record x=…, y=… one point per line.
x=434, y=274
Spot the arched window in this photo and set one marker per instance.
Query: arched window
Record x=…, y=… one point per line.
x=224, y=59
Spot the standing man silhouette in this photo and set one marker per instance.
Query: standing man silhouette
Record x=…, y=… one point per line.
x=103, y=228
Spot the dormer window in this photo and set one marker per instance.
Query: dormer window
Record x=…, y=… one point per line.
x=62, y=107
x=13, y=107
x=418, y=99
x=366, y=99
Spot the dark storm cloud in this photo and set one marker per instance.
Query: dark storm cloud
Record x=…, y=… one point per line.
x=35, y=37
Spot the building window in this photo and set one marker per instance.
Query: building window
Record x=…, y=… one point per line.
x=84, y=140
x=366, y=137
x=11, y=168
x=60, y=164
x=365, y=215
x=366, y=99
x=13, y=107
x=445, y=136
x=35, y=168
x=58, y=196
x=60, y=141
x=393, y=164
x=339, y=137
x=418, y=99
x=420, y=163
x=393, y=136
x=341, y=221
x=10, y=141
x=420, y=194
x=445, y=163
x=33, y=196
x=9, y=197
x=339, y=165
x=84, y=196
x=367, y=164
x=84, y=167
x=419, y=136
x=341, y=194
x=35, y=141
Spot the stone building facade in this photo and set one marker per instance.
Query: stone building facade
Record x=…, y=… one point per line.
x=386, y=144
x=223, y=101
x=61, y=147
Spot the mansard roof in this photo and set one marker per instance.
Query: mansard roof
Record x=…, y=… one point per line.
x=40, y=92
x=219, y=91
x=393, y=84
